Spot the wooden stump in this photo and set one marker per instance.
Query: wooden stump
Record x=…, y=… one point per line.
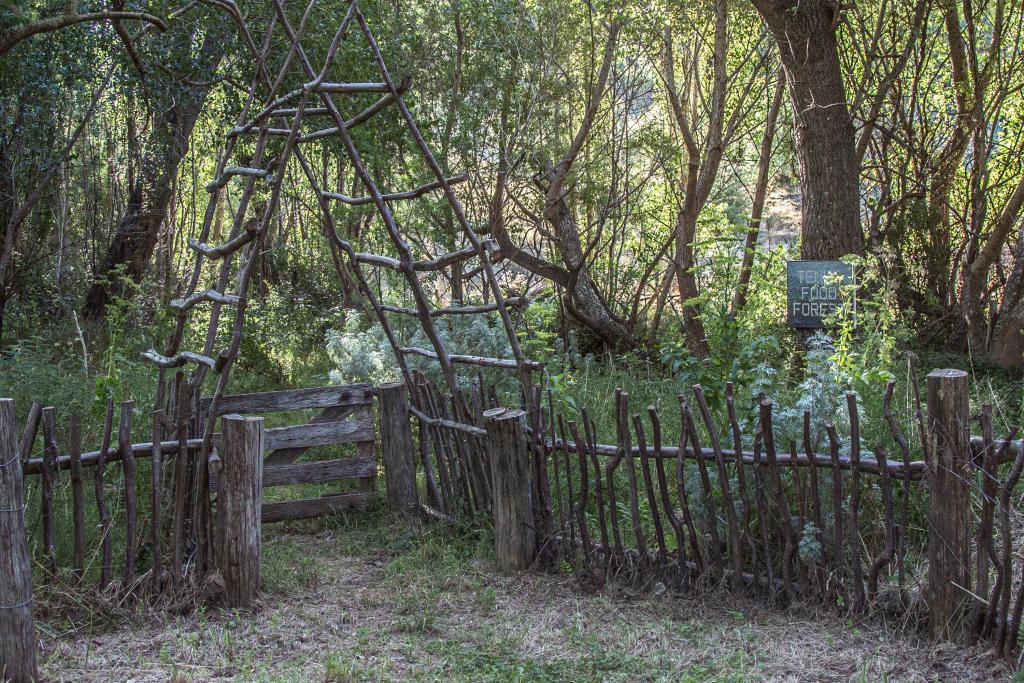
x=239, y=500
x=17, y=632
x=514, y=538
x=396, y=445
x=949, y=516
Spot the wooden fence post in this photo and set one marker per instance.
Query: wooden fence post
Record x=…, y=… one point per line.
x=949, y=515
x=515, y=540
x=239, y=499
x=17, y=632
x=396, y=445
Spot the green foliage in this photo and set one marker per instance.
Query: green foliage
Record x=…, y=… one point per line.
x=360, y=351
x=810, y=548
x=109, y=382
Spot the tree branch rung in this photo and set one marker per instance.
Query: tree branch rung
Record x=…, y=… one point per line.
x=211, y=295
x=232, y=171
x=459, y=310
x=179, y=359
x=394, y=196
x=474, y=360
x=226, y=249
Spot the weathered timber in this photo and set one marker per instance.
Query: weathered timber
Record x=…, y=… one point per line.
x=622, y=402
x=474, y=360
x=124, y=444
x=741, y=475
x=112, y=454
x=17, y=631
x=101, y=503
x=983, y=537
x=723, y=482
x=347, y=88
x=310, y=472
x=856, y=571
x=663, y=490
x=314, y=507
x=239, y=507
x=949, y=515
x=318, y=434
x=330, y=414
x=652, y=503
x=460, y=310
x=179, y=359
x=588, y=430
x=77, y=498
x=292, y=399
x=442, y=422
x=156, y=498
x=514, y=537
x=49, y=474
x=178, y=492
x=31, y=427
x=867, y=465
x=839, y=544
x=221, y=250
x=211, y=295
x=581, y=505
x=232, y=171
x=781, y=503
x=707, y=493
x=901, y=440
x=396, y=196
x=396, y=447
x=886, y=556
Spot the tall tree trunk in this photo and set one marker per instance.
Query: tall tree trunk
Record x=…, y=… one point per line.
x=805, y=32
x=150, y=196
x=1007, y=345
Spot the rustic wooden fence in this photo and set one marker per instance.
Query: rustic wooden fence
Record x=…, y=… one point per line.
x=707, y=507
x=163, y=539
x=697, y=509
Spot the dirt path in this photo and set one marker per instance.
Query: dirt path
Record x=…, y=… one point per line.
x=356, y=603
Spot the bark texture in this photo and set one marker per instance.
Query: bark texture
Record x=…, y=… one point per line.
x=805, y=31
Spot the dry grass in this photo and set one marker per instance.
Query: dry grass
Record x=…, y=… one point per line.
x=373, y=600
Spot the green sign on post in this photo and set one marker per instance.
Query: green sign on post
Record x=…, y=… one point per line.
x=814, y=291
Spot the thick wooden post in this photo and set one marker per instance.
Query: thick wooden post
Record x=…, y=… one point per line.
x=949, y=516
x=396, y=445
x=514, y=538
x=239, y=499
x=17, y=632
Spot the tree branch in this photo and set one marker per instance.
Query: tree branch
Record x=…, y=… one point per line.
x=10, y=37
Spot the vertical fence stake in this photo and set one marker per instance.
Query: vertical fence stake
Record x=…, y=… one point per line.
x=949, y=514
x=239, y=499
x=514, y=538
x=17, y=632
x=396, y=445
x=124, y=446
x=49, y=476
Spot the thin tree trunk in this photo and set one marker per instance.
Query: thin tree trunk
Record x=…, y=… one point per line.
x=739, y=300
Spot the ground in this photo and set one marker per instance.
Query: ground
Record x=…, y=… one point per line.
x=367, y=599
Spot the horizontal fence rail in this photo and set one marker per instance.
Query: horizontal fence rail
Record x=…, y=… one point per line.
x=165, y=524
x=719, y=503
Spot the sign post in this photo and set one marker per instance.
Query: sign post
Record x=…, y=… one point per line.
x=814, y=291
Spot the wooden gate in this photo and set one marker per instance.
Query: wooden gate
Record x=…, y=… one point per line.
x=345, y=417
